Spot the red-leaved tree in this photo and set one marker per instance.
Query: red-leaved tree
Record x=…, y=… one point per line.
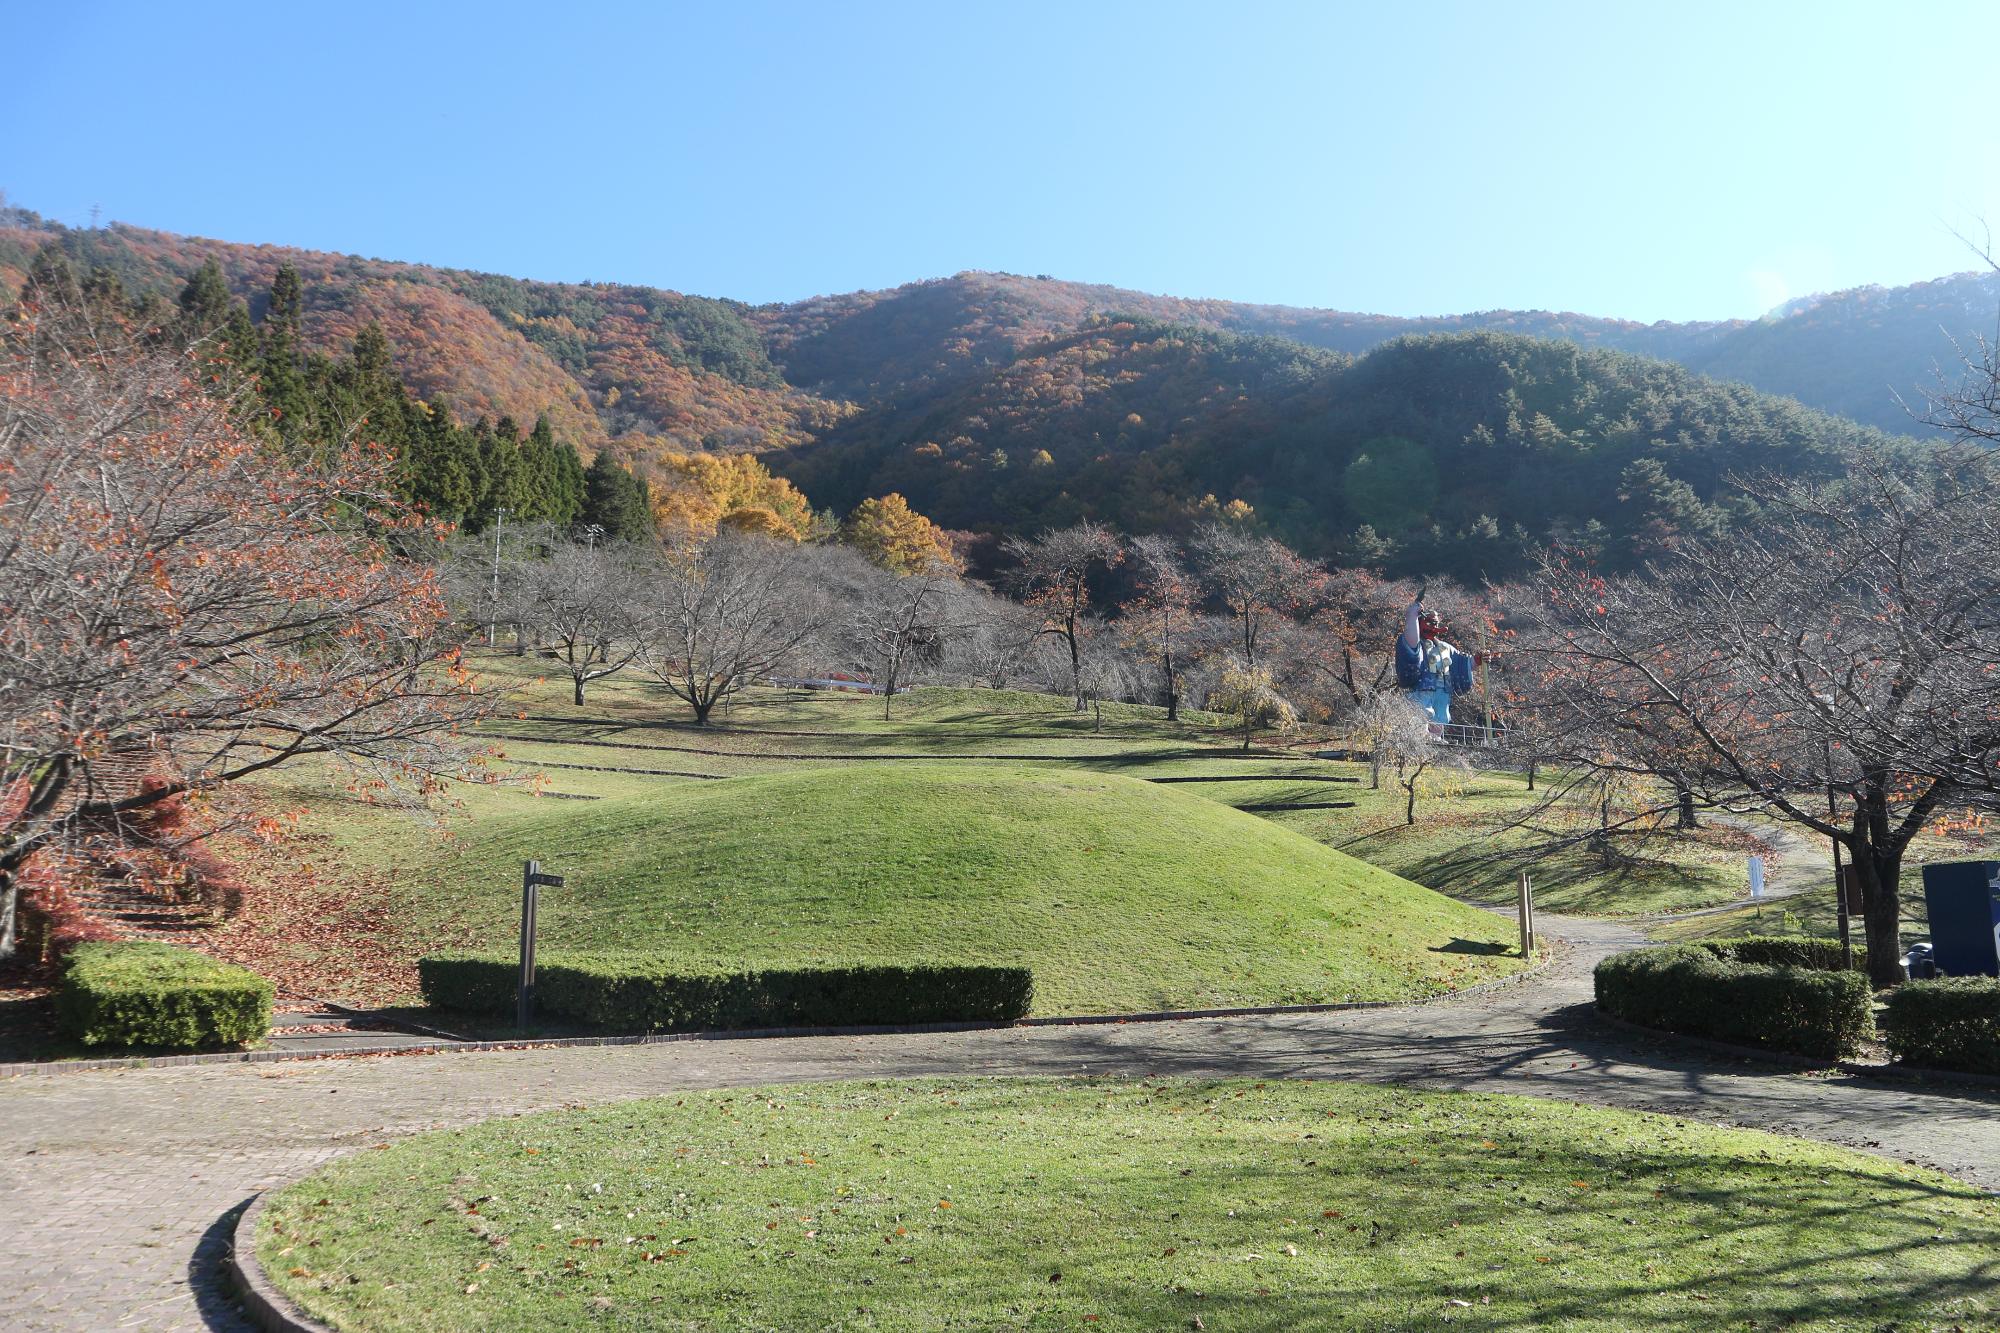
x=177, y=596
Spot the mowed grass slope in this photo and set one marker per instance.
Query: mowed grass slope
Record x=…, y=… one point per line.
x=1120, y=895
x=1115, y=1205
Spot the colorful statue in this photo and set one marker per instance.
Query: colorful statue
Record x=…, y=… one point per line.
x=1432, y=671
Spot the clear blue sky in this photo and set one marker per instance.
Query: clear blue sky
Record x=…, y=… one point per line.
x=1662, y=161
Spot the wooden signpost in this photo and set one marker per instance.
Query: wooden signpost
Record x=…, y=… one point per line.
x=532, y=882
x=1527, y=917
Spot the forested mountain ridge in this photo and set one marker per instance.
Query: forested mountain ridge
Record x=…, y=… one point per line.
x=599, y=360
x=606, y=359
x=1454, y=452
x=997, y=402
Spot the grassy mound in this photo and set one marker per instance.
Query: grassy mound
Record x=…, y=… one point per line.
x=1119, y=894
x=1119, y=1205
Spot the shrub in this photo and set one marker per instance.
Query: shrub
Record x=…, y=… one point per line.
x=472, y=983
x=130, y=993
x=1786, y=951
x=1949, y=1023
x=639, y=991
x=1688, y=989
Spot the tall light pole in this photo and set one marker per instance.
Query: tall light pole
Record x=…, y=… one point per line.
x=493, y=615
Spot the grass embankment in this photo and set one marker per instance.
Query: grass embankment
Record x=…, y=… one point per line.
x=391, y=884
x=1120, y=1205
x=1120, y=895
x=1461, y=844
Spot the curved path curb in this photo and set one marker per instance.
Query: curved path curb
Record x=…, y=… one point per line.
x=265, y=1306
x=118, y=1187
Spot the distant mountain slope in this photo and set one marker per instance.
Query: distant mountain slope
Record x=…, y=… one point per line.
x=996, y=401
x=1853, y=352
x=601, y=359
x=1850, y=353
x=865, y=345
x=1447, y=452
x=707, y=373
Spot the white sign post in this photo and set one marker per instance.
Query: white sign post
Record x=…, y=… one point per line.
x=1756, y=877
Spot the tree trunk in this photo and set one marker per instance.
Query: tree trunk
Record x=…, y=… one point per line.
x=10, y=907
x=579, y=690
x=1534, y=762
x=1375, y=769
x=1686, y=819
x=1173, y=689
x=701, y=712
x=1410, y=807
x=520, y=639
x=1879, y=871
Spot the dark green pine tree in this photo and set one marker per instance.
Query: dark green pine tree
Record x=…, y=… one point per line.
x=208, y=312
x=205, y=301
x=281, y=367
x=503, y=483
x=440, y=468
x=616, y=501
x=555, y=476
x=50, y=278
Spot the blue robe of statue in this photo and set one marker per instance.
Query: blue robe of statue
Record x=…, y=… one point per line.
x=1432, y=671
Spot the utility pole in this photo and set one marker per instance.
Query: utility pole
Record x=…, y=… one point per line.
x=1839, y=878
x=1833, y=817
x=493, y=617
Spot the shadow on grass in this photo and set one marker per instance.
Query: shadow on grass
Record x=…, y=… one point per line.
x=1487, y=947
x=1568, y=876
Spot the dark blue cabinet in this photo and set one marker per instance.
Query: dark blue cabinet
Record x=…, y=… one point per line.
x=1964, y=902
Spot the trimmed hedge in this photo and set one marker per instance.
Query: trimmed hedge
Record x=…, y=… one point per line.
x=1786, y=951
x=638, y=991
x=1688, y=989
x=1949, y=1023
x=136, y=993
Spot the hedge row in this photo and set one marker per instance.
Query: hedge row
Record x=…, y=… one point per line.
x=1786, y=951
x=640, y=992
x=134, y=993
x=1687, y=988
x=1949, y=1023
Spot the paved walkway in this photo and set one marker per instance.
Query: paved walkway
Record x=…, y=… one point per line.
x=117, y=1189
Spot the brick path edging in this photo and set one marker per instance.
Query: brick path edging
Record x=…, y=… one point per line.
x=266, y=1307
x=53, y=1068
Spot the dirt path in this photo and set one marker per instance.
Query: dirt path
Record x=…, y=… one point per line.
x=117, y=1189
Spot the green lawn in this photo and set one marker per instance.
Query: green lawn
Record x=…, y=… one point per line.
x=606, y=792
x=1124, y=1205
x=1121, y=895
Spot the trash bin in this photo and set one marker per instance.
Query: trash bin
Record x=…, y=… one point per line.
x=1964, y=902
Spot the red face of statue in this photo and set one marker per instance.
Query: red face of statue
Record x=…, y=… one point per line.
x=1431, y=626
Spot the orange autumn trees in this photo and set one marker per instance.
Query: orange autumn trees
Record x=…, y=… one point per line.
x=178, y=593
x=897, y=537
x=694, y=494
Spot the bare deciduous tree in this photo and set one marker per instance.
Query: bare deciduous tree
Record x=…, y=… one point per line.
x=1847, y=643
x=1053, y=572
x=1160, y=619
x=586, y=605
x=169, y=587
x=726, y=610
x=1257, y=578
